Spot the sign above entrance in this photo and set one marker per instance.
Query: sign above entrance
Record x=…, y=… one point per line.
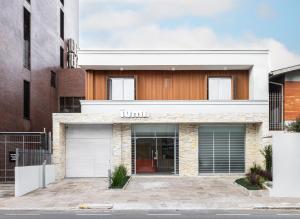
x=134, y=114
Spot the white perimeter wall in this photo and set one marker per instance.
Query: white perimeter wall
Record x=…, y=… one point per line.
x=29, y=178
x=286, y=163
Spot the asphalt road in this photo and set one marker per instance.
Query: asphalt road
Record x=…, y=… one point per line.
x=203, y=214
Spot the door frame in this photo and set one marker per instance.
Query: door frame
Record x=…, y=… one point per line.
x=155, y=138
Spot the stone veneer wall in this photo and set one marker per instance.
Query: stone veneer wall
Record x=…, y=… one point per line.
x=59, y=150
x=121, y=146
x=188, y=149
x=253, y=145
x=256, y=130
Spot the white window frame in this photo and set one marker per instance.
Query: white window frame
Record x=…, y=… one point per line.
x=219, y=91
x=129, y=95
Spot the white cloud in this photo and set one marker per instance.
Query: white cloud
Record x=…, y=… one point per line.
x=155, y=37
x=266, y=11
x=111, y=14
x=135, y=24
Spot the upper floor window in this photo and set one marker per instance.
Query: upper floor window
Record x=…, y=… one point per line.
x=62, y=24
x=26, y=100
x=70, y=104
x=61, y=57
x=26, y=46
x=53, y=79
x=121, y=89
x=219, y=88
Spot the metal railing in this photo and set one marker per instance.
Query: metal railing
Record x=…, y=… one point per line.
x=276, y=120
x=32, y=157
x=22, y=149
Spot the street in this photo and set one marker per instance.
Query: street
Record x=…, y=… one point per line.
x=209, y=214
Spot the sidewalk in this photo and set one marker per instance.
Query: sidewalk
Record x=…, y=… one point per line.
x=148, y=193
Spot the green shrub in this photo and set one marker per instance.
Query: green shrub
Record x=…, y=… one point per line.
x=255, y=179
x=267, y=153
x=256, y=169
x=119, y=177
x=256, y=176
x=294, y=126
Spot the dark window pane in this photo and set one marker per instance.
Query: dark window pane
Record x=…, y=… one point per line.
x=62, y=1
x=53, y=79
x=26, y=100
x=26, y=46
x=61, y=57
x=62, y=24
x=70, y=104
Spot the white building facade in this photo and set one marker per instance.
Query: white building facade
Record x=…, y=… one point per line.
x=175, y=131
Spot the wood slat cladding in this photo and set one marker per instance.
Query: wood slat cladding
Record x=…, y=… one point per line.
x=292, y=100
x=167, y=85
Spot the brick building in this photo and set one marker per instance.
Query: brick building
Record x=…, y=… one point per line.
x=33, y=59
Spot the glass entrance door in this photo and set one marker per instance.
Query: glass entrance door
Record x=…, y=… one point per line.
x=165, y=155
x=155, y=149
x=155, y=155
x=146, y=155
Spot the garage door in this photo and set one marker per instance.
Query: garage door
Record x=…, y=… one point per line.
x=88, y=150
x=221, y=149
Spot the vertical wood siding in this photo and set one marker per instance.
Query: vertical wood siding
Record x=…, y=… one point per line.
x=167, y=85
x=292, y=100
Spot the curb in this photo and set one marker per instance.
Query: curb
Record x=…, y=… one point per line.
x=277, y=208
x=96, y=206
x=128, y=181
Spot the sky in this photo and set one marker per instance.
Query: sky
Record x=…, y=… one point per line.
x=194, y=24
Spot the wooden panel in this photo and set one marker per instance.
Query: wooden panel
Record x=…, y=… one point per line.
x=166, y=85
x=292, y=100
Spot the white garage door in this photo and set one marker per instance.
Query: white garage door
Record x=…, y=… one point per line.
x=88, y=150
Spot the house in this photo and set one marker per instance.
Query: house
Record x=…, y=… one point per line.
x=34, y=55
x=284, y=86
x=177, y=112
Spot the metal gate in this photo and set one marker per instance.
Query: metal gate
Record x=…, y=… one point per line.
x=28, y=145
x=276, y=118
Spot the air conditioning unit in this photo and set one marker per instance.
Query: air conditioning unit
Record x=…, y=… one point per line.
x=72, y=60
x=72, y=46
x=72, y=54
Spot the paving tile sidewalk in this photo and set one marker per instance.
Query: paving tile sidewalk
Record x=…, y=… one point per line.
x=171, y=192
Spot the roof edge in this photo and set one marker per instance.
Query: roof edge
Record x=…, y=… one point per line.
x=171, y=51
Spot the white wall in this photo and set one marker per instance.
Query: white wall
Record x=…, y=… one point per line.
x=286, y=163
x=71, y=9
x=29, y=178
x=168, y=107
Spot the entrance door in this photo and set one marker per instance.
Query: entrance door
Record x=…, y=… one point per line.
x=155, y=148
x=165, y=156
x=155, y=155
x=146, y=155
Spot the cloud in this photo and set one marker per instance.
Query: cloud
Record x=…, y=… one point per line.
x=266, y=11
x=136, y=24
x=104, y=15
x=155, y=37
